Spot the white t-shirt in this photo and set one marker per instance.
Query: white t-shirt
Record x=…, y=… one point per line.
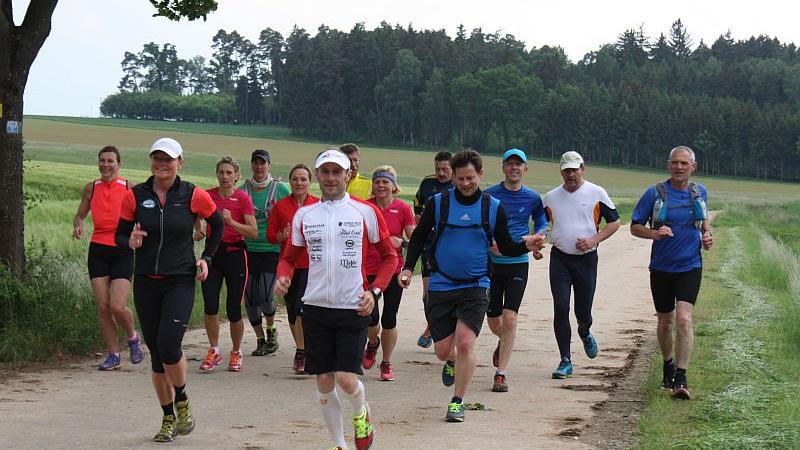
x=575, y=215
x=336, y=234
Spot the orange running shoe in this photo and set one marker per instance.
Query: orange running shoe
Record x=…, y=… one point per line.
x=212, y=360
x=235, y=363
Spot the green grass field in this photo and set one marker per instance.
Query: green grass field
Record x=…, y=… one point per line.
x=746, y=363
x=744, y=370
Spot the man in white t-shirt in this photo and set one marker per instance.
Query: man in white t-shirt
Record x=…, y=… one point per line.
x=574, y=210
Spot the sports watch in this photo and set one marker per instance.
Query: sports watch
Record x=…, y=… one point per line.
x=377, y=293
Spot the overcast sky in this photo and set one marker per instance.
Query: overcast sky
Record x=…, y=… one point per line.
x=80, y=62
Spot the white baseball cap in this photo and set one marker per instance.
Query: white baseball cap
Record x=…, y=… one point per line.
x=333, y=155
x=571, y=160
x=167, y=145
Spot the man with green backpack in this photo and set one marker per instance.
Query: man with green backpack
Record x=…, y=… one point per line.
x=676, y=212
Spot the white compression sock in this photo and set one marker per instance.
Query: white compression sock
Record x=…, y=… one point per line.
x=357, y=399
x=331, y=409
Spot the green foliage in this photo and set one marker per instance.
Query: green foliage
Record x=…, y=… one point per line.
x=48, y=312
x=191, y=9
x=163, y=105
x=625, y=104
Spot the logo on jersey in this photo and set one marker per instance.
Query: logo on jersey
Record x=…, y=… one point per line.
x=149, y=204
x=521, y=208
x=348, y=263
x=349, y=243
x=465, y=217
x=354, y=233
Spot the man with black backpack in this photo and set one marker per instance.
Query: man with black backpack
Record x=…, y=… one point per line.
x=464, y=220
x=679, y=227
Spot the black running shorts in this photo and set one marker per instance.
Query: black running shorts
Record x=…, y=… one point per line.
x=335, y=339
x=445, y=308
x=667, y=288
x=508, y=282
x=108, y=261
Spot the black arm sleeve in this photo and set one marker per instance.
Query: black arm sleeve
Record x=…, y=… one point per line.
x=506, y=244
x=124, y=229
x=608, y=214
x=213, y=240
x=417, y=243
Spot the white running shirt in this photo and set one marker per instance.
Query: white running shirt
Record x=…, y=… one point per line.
x=575, y=214
x=336, y=234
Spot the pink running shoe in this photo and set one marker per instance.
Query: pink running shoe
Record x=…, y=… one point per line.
x=386, y=371
x=235, y=363
x=212, y=360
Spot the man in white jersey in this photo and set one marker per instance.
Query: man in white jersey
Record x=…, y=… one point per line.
x=338, y=301
x=574, y=210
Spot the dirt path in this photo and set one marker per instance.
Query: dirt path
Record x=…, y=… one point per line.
x=267, y=407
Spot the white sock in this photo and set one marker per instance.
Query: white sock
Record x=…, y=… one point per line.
x=357, y=399
x=216, y=350
x=331, y=409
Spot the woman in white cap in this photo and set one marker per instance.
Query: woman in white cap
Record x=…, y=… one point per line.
x=157, y=220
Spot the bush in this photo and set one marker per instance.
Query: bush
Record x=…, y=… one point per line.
x=48, y=312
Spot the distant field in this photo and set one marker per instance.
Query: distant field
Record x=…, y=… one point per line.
x=77, y=143
x=254, y=131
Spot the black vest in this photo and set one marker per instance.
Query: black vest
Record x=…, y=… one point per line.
x=168, y=248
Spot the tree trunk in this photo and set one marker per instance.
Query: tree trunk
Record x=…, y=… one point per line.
x=12, y=250
x=20, y=46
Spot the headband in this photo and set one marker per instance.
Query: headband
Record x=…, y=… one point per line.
x=388, y=175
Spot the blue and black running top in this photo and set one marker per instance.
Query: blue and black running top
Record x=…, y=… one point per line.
x=521, y=206
x=462, y=250
x=681, y=252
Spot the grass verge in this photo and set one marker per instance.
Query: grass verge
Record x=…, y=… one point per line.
x=746, y=364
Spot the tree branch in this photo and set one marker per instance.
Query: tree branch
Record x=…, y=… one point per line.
x=7, y=18
x=35, y=29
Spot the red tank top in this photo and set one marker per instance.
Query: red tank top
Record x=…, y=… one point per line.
x=105, y=206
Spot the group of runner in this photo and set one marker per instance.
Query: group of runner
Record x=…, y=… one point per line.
x=265, y=239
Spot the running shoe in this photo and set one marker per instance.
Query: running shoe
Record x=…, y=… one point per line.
x=564, y=368
x=272, y=340
x=500, y=383
x=496, y=355
x=680, y=388
x=336, y=448
x=669, y=374
x=185, y=422
x=235, y=363
x=448, y=373
x=370, y=354
x=137, y=353
x=261, y=347
x=212, y=360
x=112, y=362
x=386, y=371
x=167, y=431
x=364, y=430
x=425, y=340
x=299, y=364
x=590, y=346
x=455, y=412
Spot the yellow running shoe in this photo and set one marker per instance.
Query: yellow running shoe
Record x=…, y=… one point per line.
x=185, y=423
x=167, y=431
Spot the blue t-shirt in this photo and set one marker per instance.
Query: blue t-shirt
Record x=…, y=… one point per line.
x=462, y=251
x=520, y=206
x=681, y=252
